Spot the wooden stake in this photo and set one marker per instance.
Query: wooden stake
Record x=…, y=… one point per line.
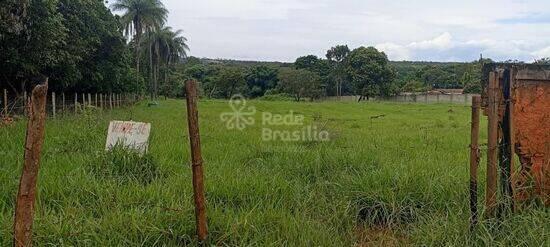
x=75, y=102
x=196, y=156
x=63, y=104
x=474, y=159
x=53, y=104
x=5, y=102
x=89, y=99
x=24, y=209
x=25, y=98
x=492, y=143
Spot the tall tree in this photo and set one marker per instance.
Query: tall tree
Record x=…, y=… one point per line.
x=337, y=56
x=259, y=79
x=370, y=72
x=300, y=83
x=165, y=48
x=140, y=16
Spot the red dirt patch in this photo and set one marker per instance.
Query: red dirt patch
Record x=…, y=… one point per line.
x=532, y=133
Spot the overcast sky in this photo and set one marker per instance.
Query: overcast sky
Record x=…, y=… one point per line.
x=434, y=30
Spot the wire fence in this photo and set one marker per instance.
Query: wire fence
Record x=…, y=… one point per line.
x=465, y=99
x=65, y=103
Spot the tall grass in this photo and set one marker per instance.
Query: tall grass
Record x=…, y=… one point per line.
x=406, y=171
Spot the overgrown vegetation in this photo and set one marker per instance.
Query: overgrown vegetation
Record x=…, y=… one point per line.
x=80, y=45
x=125, y=165
x=405, y=174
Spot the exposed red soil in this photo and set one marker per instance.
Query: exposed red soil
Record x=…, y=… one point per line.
x=531, y=115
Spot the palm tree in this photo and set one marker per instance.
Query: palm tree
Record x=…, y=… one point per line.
x=140, y=16
x=166, y=47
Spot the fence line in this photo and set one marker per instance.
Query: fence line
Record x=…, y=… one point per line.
x=62, y=103
x=465, y=99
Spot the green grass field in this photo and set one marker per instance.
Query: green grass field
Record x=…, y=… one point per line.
x=400, y=179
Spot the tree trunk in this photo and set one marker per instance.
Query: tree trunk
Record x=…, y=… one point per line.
x=151, y=73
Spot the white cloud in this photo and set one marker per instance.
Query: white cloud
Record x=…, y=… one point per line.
x=441, y=42
x=413, y=30
x=394, y=51
x=542, y=53
x=445, y=48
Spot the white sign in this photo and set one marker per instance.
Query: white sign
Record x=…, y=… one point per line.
x=133, y=135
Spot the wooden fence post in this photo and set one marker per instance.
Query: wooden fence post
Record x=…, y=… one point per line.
x=101, y=101
x=474, y=159
x=5, y=102
x=25, y=98
x=196, y=156
x=24, y=209
x=63, y=104
x=111, y=101
x=95, y=96
x=89, y=99
x=53, y=104
x=492, y=143
x=75, y=102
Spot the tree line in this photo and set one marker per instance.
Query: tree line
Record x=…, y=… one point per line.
x=83, y=47
x=364, y=71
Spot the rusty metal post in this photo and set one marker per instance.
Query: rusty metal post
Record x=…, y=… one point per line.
x=198, y=177
x=474, y=159
x=492, y=143
x=24, y=209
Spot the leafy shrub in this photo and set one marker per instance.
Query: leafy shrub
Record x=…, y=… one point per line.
x=277, y=97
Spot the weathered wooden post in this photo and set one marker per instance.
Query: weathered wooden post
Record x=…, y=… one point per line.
x=5, y=102
x=75, y=102
x=24, y=209
x=89, y=99
x=196, y=157
x=63, y=98
x=492, y=142
x=25, y=98
x=111, y=100
x=53, y=104
x=474, y=160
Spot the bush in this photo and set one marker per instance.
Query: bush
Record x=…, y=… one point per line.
x=277, y=97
